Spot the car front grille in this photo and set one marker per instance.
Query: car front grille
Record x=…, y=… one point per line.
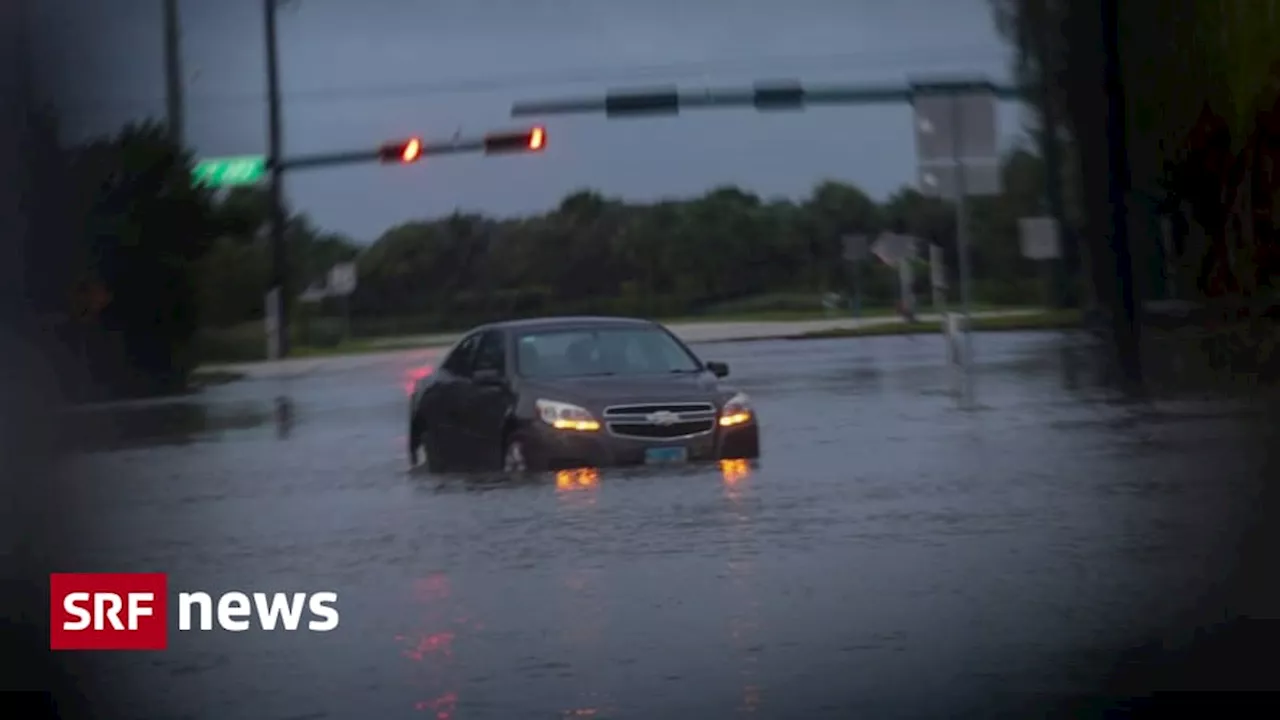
x=649, y=431
x=660, y=421
x=648, y=408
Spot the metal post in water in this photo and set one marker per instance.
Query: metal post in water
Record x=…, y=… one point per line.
x=962, y=246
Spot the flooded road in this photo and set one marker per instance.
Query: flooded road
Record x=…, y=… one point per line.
x=892, y=556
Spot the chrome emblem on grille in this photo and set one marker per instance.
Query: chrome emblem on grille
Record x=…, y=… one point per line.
x=663, y=418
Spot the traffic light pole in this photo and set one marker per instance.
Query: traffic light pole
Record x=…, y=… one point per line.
x=173, y=71
x=279, y=251
x=280, y=301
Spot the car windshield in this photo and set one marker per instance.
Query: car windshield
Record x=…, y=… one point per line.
x=602, y=351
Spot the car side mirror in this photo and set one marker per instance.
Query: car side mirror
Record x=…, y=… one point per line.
x=488, y=376
x=718, y=369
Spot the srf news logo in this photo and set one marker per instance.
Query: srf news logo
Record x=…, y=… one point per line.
x=130, y=611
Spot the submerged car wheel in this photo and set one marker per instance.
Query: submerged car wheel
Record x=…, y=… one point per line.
x=415, y=439
x=514, y=457
x=426, y=451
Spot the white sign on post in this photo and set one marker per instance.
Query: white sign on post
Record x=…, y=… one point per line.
x=943, y=180
x=314, y=293
x=342, y=279
x=1039, y=238
x=937, y=268
x=899, y=251
x=892, y=248
x=956, y=140
x=957, y=156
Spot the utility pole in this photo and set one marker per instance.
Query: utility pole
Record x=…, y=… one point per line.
x=1123, y=300
x=1051, y=150
x=173, y=71
x=279, y=253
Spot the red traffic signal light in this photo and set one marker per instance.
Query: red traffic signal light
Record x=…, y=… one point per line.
x=531, y=140
x=404, y=151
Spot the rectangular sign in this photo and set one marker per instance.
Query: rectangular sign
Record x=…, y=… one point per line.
x=891, y=248
x=1039, y=238
x=230, y=171
x=942, y=180
x=342, y=279
x=950, y=125
x=665, y=455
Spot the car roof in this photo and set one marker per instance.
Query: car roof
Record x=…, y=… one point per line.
x=570, y=322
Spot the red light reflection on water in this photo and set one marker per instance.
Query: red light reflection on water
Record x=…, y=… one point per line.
x=432, y=587
x=431, y=644
x=441, y=642
x=442, y=706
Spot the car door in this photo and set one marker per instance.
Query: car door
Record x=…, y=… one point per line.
x=485, y=398
x=441, y=403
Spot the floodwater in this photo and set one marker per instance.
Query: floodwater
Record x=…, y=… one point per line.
x=892, y=555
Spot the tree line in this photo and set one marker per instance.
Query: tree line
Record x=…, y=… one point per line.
x=724, y=250
x=157, y=274
x=144, y=275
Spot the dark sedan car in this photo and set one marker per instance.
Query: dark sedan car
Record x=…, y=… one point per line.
x=560, y=393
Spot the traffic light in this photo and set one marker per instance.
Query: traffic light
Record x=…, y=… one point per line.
x=531, y=140
x=403, y=151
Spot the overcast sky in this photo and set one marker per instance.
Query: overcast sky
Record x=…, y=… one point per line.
x=358, y=72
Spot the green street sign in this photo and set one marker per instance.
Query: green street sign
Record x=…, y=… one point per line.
x=228, y=171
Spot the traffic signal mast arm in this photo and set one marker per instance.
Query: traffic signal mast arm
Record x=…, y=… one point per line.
x=765, y=96
x=410, y=150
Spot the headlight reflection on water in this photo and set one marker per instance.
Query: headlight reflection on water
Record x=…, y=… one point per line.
x=579, y=479
x=731, y=471
x=734, y=471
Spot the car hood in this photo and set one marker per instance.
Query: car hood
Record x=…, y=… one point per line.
x=595, y=393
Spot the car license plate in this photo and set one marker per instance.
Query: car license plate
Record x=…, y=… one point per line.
x=665, y=455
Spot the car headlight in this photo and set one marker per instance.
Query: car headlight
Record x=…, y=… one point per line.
x=564, y=416
x=737, y=411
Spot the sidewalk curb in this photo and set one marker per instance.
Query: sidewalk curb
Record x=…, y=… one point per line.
x=780, y=330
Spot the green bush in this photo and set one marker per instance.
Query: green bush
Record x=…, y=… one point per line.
x=1020, y=291
x=239, y=343
x=323, y=332
x=247, y=342
x=773, y=302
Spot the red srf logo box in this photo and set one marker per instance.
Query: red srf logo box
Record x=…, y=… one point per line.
x=108, y=611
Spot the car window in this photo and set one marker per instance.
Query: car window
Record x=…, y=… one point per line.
x=602, y=351
x=459, y=361
x=492, y=352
